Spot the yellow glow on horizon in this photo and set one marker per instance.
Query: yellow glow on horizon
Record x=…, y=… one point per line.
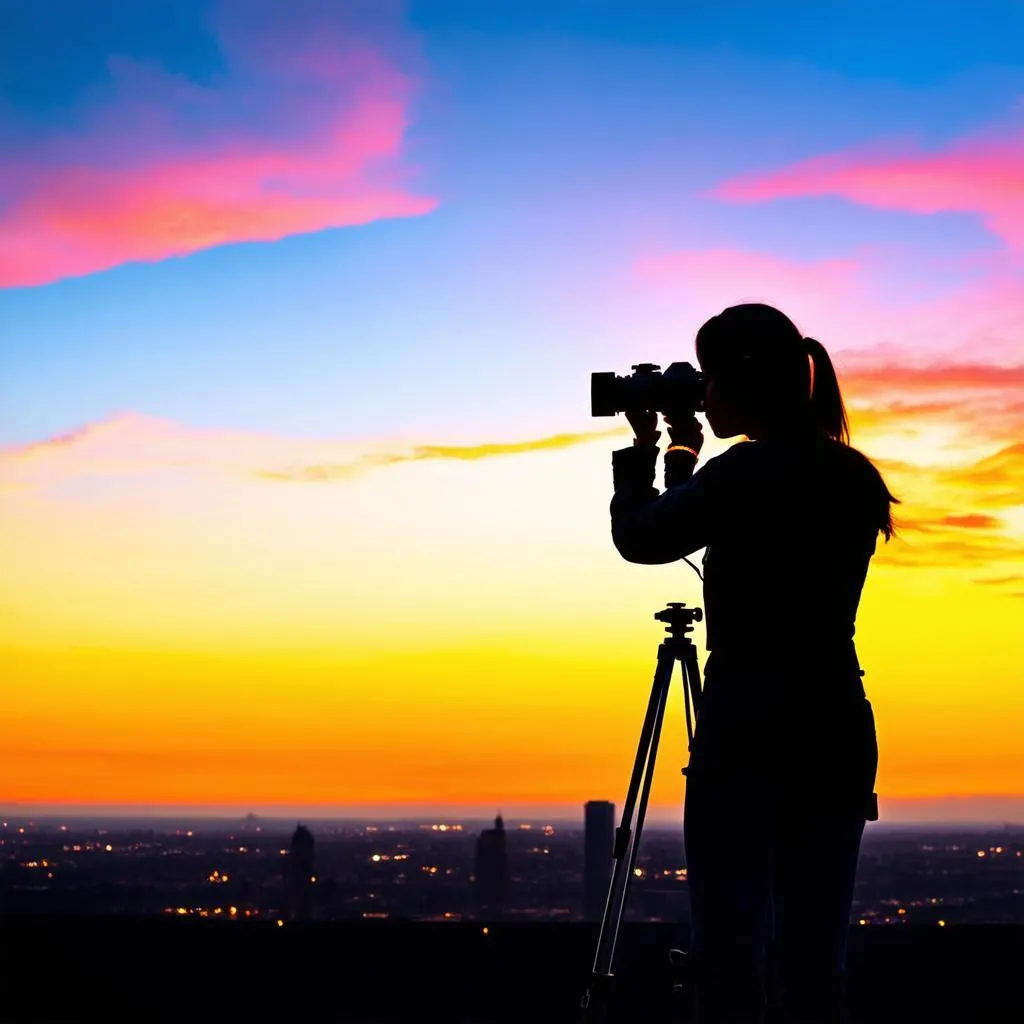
x=462, y=626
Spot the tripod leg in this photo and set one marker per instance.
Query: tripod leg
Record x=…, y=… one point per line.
x=594, y=1002
x=641, y=813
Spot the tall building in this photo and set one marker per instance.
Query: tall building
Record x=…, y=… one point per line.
x=599, y=843
x=490, y=872
x=300, y=877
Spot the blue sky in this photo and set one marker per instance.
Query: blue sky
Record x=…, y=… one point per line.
x=563, y=141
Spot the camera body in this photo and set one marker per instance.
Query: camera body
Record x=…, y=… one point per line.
x=679, y=389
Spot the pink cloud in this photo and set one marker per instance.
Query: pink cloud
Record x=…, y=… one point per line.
x=303, y=132
x=983, y=176
x=940, y=376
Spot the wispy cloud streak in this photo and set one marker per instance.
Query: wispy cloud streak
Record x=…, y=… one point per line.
x=133, y=445
x=464, y=453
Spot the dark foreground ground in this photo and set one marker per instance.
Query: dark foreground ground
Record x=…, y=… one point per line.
x=121, y=970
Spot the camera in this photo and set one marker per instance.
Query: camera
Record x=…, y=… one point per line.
x=679, y=389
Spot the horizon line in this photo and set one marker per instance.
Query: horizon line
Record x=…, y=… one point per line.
x=976, y=811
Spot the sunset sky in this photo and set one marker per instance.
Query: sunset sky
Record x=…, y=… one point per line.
x=301, y=504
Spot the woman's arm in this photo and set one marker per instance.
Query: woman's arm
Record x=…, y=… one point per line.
x=652, y=528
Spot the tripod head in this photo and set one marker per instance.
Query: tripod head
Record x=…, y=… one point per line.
x=678, y=618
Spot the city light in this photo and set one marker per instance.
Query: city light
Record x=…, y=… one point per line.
x=445, y=872
x=942, y=924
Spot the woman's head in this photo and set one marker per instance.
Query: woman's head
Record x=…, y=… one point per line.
x=765, y=378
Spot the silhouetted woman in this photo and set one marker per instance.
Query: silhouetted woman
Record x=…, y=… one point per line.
x=782, y=768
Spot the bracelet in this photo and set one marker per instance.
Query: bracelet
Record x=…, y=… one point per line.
x=682, y=448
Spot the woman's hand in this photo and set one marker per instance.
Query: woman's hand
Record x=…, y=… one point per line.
x=645, y=425
x=684, y=430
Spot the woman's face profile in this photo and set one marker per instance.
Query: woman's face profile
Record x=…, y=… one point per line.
x=723, y=406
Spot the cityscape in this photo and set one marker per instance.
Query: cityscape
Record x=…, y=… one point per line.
x=458, y=870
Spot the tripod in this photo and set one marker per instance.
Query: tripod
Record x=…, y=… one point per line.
x=677, y=646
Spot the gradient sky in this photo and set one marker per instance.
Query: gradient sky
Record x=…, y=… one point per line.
x=300, y=500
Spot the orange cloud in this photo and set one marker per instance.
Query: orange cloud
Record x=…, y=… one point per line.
x=998, y=480
x=289, y=140
x=974, y=521
x=982, y=400
x=947, y=519
x=977, y=175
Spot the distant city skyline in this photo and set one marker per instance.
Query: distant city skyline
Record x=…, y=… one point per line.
x=243, y=870
x=972, y=810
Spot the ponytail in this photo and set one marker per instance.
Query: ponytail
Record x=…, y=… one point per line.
x=826, y=406
x=828, y=413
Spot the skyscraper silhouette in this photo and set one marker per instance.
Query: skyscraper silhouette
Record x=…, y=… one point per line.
x=490, y=871
x=300, y=876
x=599, y=842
